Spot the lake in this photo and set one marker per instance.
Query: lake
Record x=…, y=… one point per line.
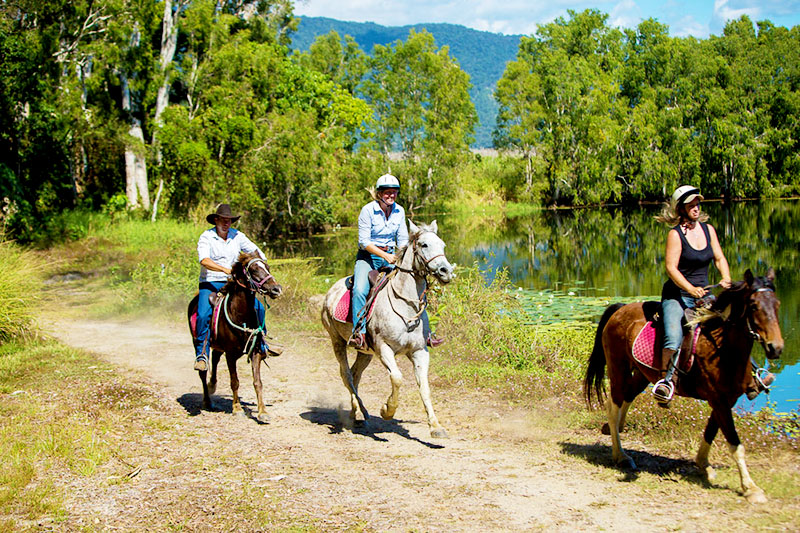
x=616, y=252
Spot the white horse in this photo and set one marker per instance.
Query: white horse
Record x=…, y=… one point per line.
x=395, y=326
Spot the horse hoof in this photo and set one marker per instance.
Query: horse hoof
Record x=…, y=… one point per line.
x=212, y=388
x=385, y=413
x=263, y=418
x=709, y=473
x=626, y=463
x=605, y=430
x=439, y=433
x=756, y=496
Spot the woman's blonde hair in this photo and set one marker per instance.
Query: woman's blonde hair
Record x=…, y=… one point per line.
x=672, y=218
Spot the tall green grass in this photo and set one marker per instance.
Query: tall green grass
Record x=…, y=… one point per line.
x=20, y=281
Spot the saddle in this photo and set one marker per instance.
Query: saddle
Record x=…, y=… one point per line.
x=213, y=299
x=647, y=346
x=377, y=281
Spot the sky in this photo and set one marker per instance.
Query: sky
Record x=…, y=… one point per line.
x=698, y=18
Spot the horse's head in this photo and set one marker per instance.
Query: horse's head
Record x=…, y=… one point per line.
x=429, y=252
x=252, y=272
x=762, y=312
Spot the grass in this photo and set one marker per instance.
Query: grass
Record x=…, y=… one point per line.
x=69, y=409
x=20, y=282
x=48, y=426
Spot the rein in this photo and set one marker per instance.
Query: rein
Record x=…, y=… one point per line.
x=422, y=304
x=253, y=334
x=254, y=286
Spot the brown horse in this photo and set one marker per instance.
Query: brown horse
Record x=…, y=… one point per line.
x=238, y=331
x=746, y=312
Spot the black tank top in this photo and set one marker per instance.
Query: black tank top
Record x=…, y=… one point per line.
x=693, y=264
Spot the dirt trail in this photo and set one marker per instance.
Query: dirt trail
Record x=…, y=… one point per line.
x=496, y=472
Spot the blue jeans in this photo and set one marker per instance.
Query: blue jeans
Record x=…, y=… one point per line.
x=365, y=262
x=207, y=288
x=672, y=310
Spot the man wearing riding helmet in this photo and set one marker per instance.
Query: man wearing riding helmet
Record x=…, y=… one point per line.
x=218, y=249
x=691, y=246
x=381, y=229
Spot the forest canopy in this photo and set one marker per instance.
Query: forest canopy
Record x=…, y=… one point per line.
x=165, y=108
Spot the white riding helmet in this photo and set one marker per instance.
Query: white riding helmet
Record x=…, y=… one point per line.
x=387, y=181
x=683, y=195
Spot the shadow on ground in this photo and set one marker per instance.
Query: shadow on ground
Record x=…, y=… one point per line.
x=373, y=428
x=193, y=404
x=658, y=465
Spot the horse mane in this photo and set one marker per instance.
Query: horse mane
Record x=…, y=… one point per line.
x=721, y=308
x=412, y=239
x=238, y=265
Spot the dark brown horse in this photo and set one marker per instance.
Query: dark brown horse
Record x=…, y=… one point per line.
x=238, y=331
x=746, y=312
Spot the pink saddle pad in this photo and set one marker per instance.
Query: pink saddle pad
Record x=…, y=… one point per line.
x=644, y=349
x=342, y=310
x=214, y=320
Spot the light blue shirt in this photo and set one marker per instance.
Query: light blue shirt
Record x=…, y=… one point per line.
x=223, y=252
x=375, y=228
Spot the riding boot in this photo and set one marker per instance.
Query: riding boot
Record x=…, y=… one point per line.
x=664, y=389
x=201, y=363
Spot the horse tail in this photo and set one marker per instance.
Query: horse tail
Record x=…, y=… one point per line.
x=596, y=370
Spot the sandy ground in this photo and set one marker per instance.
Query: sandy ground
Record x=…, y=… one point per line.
x=497, y=472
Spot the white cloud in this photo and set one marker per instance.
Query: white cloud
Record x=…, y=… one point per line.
x=687, y=26
x=626, y=14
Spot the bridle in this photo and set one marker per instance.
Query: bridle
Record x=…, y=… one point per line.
x=419, y=259
x=422, y=304
x=255, y=286
x=748, y=321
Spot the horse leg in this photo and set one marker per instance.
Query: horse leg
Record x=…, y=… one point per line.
x=395, y=376
x=362, y=361
x=421, y=361
x=633, y=390
x=206, y=392
x=255, y=364
x=237, y=407
x=614, y=418
x=212, y=385
x=751, y=491
x=340, y=351
x=701, y=460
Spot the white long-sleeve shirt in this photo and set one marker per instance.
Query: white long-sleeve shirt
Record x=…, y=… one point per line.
x=223, y=252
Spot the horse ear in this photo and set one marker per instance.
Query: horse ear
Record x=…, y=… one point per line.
x=771, y=275
x=412, y=228
x=434, y=228
x=748, y=277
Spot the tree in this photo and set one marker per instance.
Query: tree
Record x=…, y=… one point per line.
x=422, y=107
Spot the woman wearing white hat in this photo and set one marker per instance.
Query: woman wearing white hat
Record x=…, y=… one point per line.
x=691, y=246
x=381, y=229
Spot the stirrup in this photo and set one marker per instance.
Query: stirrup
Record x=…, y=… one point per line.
x=759, y=376
x=201, y=364
x=663, y=397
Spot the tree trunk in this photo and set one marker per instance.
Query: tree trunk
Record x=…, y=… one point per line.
x=136, y=169
x=135, y=163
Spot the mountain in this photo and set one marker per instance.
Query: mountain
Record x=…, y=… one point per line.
x=482, y=55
